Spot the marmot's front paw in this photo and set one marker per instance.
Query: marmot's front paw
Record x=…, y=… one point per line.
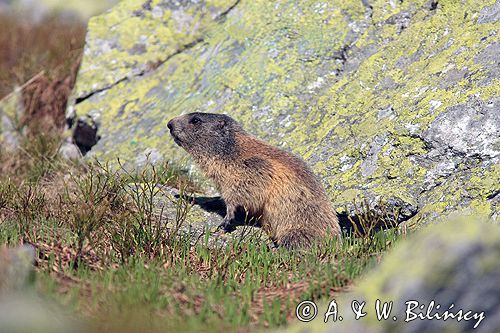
x=226, y=227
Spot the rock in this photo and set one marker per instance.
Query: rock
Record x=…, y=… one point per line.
x=69, y=150
x=11, y=111
x=20, y=309
x=23, y=313
x=385, y=100
x=456, y=262
x=37, y=10
x=16, y=265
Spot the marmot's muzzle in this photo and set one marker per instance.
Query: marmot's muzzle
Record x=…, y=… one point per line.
x=171, y=128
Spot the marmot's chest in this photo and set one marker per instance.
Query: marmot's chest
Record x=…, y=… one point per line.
x=223, y=174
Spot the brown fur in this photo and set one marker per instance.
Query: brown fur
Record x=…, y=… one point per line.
x=271, y=184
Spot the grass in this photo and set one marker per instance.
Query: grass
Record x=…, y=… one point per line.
x=105, y=251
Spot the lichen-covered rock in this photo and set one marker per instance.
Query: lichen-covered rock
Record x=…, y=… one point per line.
x=11, y=111
x=20, y=309
x=397, y=100
x=15, y=267
x=457, y=262
x=39, y=9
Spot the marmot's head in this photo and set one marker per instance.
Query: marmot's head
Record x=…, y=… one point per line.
x=205, y=133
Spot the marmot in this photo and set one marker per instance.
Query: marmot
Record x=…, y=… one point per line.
x=272, y=185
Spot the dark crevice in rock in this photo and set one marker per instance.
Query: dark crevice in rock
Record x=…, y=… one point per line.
x=87, y=96
x=430, y=187
x=342, y=53
x=448, y=150
x=400, y=20
x=339, y=54
x=152, y=67
x=346, y=220
x=85, y=134
x=433, y=5
x=369, y=8
x=147, y=5
x=70, y=121
x=222, y=15
x=493, y=195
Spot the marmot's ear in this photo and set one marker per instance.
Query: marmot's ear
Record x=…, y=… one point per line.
x=221, y=123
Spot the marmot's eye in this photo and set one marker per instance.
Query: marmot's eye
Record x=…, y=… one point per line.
x=195, y=120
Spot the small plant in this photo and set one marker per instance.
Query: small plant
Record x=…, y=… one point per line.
x=40, y=155
x=25, y=205
x=146, y=227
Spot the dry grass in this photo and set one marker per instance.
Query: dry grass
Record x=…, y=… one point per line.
x=26, y=49
x=43, y=59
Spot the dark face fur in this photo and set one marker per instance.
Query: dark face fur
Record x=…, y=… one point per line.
x=204, y=133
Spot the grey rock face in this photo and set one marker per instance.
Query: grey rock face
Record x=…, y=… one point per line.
x=10, y=137
x=11, y=110
x=15, y=267
x=37, y=10
x=70, y=151
x=471, y=130
x=20, y=309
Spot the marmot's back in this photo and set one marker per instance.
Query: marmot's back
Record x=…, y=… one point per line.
x=272, y=185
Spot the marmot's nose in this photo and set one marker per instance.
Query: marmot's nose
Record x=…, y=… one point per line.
x=170, y=125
